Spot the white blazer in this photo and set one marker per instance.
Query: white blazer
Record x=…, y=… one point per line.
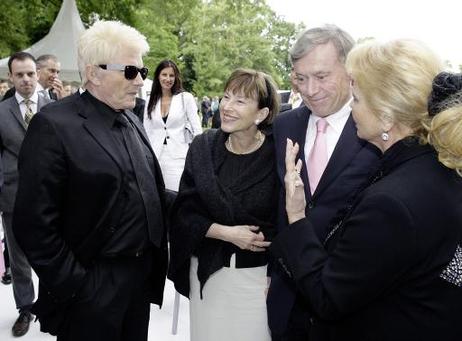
x=182, y=103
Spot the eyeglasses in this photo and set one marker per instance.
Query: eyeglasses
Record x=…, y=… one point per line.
x=130, y=71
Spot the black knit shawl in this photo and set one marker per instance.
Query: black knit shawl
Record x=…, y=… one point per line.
x=203, y=200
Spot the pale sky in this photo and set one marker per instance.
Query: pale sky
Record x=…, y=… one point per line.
x=437, y=23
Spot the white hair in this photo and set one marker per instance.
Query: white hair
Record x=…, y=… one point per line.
x=105, y=40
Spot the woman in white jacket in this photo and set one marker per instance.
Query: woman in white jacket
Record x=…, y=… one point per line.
x=170, y=112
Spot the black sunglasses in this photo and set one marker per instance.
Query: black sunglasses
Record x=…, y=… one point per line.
x=130, y=71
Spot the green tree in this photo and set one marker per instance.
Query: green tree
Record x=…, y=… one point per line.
x=207, y=38
x=123, y=10
x=283, y=35
x=162, y=22
x=222, y=35
x=23, y=22
x=364, y=39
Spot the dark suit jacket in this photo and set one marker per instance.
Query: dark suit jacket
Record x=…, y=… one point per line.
x=392, y=271
x=71, y=164
x=1, y=175
x=9, y=93
x=347, y=169
x=138, y=110
x=12, y=131
x=52, y=95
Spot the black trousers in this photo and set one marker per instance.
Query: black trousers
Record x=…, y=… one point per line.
x=113, y=304
x=6, y=257
x=299, y=324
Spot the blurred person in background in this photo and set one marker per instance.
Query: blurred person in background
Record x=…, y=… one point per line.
x=16, y=113
x=49, y=68
x=171, y=121
x=4, y=86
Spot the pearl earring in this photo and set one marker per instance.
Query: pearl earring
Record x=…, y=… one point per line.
x=257, y=122
x=385, y=136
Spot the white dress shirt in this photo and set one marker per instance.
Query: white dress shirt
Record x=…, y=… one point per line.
x=22, y=105
x=336, y=123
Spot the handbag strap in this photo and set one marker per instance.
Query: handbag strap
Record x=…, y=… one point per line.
x=186, y=118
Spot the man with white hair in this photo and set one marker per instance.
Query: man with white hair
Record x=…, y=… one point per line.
x=93, y=230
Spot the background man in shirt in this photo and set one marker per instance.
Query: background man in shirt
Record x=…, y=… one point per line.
x=49, y=83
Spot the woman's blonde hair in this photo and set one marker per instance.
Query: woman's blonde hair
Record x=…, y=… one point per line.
x=395, y=79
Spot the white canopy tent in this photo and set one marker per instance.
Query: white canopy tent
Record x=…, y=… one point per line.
x=60, y=41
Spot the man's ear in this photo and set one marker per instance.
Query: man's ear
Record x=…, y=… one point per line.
x=93, y=75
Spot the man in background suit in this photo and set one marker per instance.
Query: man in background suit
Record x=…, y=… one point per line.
x=318, y=58
x=4, y=87
x=14, y=119
x=93, y=230
x=49, y=83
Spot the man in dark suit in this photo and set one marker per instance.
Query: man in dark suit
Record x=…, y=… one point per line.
x=49, y=68
x=15, y=115
x=89, y=210
x=318, y=58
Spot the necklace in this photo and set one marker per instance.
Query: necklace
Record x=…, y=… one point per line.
x=259, y=137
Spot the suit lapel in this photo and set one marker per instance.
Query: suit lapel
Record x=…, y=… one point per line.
x=41, y=102
x=98, y=129
x=16, y=112
x=297, y=133
x=346, y=148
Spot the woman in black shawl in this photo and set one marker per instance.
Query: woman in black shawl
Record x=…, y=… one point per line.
x=225, y=213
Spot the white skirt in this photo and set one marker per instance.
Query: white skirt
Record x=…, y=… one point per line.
x=172, y=168
x=233, y=307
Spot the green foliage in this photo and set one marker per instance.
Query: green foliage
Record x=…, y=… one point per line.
x=223, y=35
x=22, y=22
x=207, y=38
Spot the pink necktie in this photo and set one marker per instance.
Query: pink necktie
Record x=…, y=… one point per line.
x=317, y=161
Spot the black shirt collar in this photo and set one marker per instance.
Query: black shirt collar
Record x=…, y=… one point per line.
x=109, y=115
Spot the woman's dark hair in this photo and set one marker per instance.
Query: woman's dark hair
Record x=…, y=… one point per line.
x=446, y=92
x=257, y=85
x=156, y=90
